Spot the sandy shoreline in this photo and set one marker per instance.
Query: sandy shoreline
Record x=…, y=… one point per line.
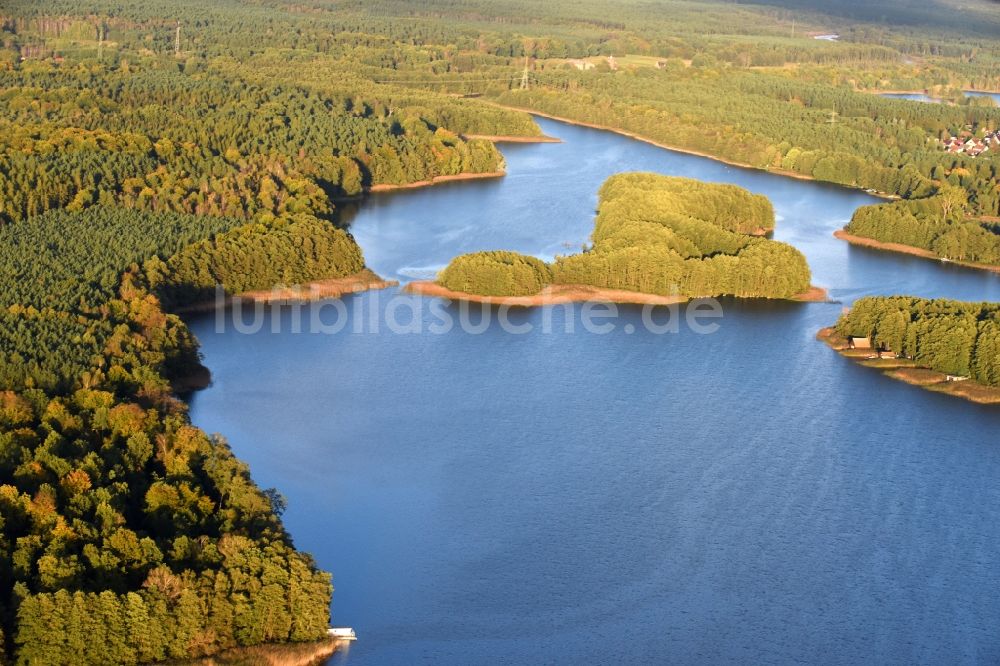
x=813, y=295
x=269, y=654
x=436, y=180
x=551, y=295
x=507, y=138
x=908, y=249
x=364, y=280
x=574, y=293
x=905, y=370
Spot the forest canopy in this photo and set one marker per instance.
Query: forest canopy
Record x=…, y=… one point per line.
x=150, y=150
x=937, y=223
x=953, y=337
x=659, y=235
x=118, y=517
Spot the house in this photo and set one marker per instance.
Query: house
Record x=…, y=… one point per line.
x=954, y=145
x=861, y=343
x=582, y=65
x=972, y=147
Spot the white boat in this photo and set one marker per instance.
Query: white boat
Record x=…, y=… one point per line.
x=342, y=633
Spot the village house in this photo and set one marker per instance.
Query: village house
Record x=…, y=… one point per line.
x=972, y=147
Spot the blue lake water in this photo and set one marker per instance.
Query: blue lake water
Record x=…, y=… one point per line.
x=745, y=496
x=921, y=97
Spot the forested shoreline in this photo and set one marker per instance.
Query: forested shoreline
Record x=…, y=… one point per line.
x=937, y=224
x=221, y=153
x=131, y=184
x=923, y=178
x=119, y=517
x=959, y=342
x=150, y=151
x=657, y=235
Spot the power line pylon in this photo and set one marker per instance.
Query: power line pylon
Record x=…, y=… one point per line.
x=177, y=40
x=524, y=75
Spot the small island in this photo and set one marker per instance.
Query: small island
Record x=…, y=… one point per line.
x=656, y=240
x=946, y=346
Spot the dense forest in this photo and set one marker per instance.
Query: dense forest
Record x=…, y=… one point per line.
x=952, y=337
x=119, y=518
x=131, y=182
x=660, y=235
x=770, y=122
x=937, y=223
x=283, y=252
x=79, y=138
x=496, y=273
x=61, y=301
x=150, y=150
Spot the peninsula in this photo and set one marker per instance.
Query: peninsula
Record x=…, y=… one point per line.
x=935, y=227
x=950, y=347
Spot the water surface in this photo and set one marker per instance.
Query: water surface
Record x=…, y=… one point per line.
x=921, y=97
x=745, y=497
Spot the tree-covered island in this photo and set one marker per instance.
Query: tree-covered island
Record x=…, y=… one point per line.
x=658, y=235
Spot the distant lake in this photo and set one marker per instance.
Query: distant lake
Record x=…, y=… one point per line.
x=747, y=496
x=921, y=97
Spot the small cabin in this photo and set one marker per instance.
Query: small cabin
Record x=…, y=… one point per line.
x=861, y=343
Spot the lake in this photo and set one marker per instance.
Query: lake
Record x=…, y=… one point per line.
x=569, y=497
x=921, y=97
